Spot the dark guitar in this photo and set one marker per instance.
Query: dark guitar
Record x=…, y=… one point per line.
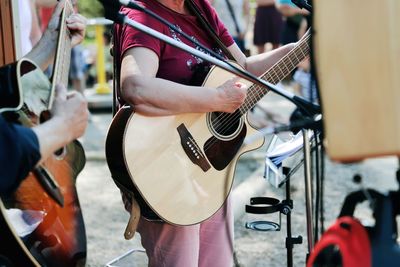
x=182, y=167
x=41, y=223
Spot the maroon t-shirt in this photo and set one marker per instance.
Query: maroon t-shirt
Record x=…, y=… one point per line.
x=174, y=64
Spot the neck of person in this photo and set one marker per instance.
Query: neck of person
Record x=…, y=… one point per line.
x=176, y=5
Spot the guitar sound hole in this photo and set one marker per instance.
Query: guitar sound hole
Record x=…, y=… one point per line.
x=60, y=153
x=225, y=126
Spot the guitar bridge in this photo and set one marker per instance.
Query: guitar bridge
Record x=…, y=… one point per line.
x=191, y=148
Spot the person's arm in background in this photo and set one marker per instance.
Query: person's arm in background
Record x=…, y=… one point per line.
x=265, y=2
x=36, y=33
x=46, y=3
x=43, y=53
x=23, y=148
x=288, y=10
x=246, y=18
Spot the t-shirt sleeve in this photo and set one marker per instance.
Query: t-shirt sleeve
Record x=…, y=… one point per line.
x=19, y=154
x=220, y=28
x=131, y=37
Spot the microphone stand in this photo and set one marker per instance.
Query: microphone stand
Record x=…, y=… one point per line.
x=112, y=7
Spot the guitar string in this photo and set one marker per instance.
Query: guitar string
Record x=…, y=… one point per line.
x=234, y=117
x=260, y=91
x=304, y=41
x=63, y=58
x=249, y=97
x=228, y=118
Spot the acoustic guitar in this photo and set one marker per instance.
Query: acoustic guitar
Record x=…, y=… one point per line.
x=182, y=167
x=41, y=222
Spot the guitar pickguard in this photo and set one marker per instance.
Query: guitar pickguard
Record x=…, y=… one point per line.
x=220, y=153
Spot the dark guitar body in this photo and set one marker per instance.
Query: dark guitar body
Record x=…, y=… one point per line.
x=10, y=95
x=59, y=239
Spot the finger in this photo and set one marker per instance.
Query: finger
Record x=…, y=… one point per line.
x=76, y=18
x=76, y=26
x=74, y=94
x=240, y=85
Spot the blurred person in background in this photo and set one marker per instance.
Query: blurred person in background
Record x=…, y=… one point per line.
x=293, y=17
x=235, y=14
x=267, y=25
x=30, y=32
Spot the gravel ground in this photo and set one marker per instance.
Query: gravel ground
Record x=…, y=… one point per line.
x=105, y=218
x=260, y=249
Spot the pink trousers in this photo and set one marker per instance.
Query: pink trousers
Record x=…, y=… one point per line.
x=208, y=244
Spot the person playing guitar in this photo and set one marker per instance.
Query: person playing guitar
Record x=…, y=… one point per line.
x=157, y=90
x=24, y=148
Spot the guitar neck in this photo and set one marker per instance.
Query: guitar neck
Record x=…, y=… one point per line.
x=277, y=72
x=63, y=53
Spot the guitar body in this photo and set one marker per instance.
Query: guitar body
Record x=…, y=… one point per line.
x=158, y=157
x=41, y=221
x=10, y=92
x=15, y=252
x=181, y=168
x=47, y=197
x=59, y=238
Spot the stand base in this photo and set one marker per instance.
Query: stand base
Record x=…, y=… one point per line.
x=263, y=226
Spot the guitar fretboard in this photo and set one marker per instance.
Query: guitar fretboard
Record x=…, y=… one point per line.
x=63, y=53
x=277, y=72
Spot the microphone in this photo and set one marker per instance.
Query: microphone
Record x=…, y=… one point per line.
x=307, y=123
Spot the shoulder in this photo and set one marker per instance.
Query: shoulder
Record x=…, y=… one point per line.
x=142, y=17
x=205, y=5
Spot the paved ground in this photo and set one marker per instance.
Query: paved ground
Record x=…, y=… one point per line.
x=105, y=218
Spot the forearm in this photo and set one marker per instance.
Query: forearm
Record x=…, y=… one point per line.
x=288, y=11
x=46, y=3
x=259, y=64
x=52, y=135
x=158, y=97
x=246, y=16
x=43, y=52
x=265, y=2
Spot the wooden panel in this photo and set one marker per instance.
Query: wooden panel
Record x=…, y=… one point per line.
x=7, y=51
x=357, y=52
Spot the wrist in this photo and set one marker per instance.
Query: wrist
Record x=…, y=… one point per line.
x=62, y=127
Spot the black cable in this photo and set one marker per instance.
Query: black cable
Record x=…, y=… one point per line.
x=317, y=188
x=322, y=219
